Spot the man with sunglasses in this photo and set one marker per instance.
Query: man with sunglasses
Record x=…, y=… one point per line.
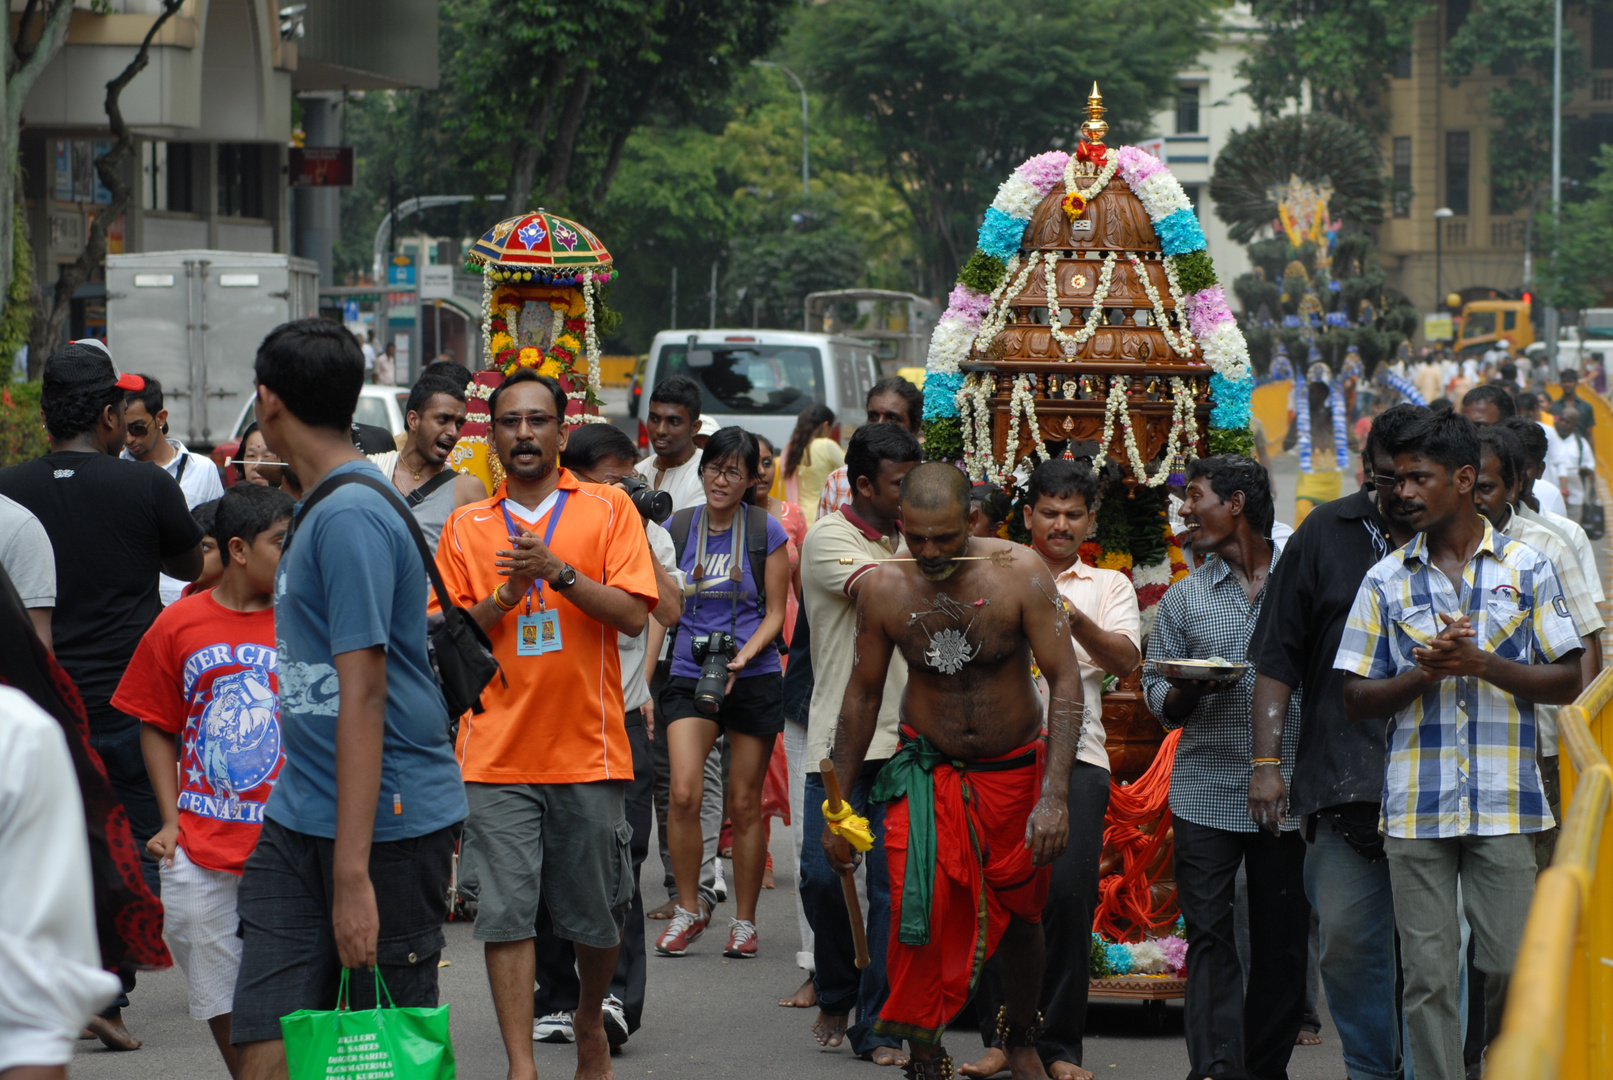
x=146, y=423
x=553, y=570
x=1338, y=765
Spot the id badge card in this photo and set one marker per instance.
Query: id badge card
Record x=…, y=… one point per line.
x=538, y=633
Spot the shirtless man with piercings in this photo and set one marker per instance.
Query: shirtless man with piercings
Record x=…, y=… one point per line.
x=977, y=801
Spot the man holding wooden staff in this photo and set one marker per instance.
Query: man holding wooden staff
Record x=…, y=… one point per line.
x=837, y=559
x=976, y=796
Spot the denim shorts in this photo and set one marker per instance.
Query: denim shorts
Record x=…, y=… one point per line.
x=569, y=843
x=288, y=954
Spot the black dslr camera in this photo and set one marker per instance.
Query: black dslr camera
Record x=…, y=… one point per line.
x=712, y=652
x=653, y=505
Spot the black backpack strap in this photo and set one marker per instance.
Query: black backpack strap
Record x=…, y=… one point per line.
x=756, y=552
x=679, y=528
x=391, y=495
x=429, y=488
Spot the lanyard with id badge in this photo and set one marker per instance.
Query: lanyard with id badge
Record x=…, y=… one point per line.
x=539, y=633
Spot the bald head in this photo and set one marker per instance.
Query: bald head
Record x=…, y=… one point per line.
x=936, y=487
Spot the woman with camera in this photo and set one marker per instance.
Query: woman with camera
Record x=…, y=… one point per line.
x=725, y=678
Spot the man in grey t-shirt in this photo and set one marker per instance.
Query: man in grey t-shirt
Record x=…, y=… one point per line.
x=30, y=562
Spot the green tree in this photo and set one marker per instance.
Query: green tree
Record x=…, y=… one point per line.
x=1341, y=51
x=1579, y=277
x=958, y=92
x=554, y=88
x=1291, y=295
x=1512, y=39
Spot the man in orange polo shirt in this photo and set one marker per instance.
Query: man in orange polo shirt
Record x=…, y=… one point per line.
x=552, y=569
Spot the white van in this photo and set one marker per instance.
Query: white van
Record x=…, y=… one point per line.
x=762, y=379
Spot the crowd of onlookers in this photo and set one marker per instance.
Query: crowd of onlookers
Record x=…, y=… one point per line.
x=248, y=684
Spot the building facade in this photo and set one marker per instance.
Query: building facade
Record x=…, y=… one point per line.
x=212, y=113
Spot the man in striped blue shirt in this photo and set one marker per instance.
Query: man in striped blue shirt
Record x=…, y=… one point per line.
x=1456, y=637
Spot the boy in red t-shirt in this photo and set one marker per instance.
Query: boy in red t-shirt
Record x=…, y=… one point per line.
x=206, y=673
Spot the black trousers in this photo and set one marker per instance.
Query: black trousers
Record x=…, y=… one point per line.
x=558, y=989
x=1072, y=898
x=1233, y=1034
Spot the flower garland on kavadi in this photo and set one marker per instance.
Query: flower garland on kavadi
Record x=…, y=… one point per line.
x=957, y=416
x=1131, y=533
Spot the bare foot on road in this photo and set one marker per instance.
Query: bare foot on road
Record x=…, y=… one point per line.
x=1026, y=1064
x=829, y=1030
x=885, y=1055
x=804, y=998
x=664, y=911
x=1308, y=1038
x=593, y=1056
x=1068, y=1070
x=991, y=1063
x=112, y=1033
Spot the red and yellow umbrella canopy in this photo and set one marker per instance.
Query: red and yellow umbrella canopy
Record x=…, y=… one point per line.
x=541, y=248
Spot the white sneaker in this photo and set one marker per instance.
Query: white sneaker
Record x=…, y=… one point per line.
x=554, y=1028
x=615, y=1021
x=720, y=885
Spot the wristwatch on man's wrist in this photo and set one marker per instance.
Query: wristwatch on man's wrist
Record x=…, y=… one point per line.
x=567, y=577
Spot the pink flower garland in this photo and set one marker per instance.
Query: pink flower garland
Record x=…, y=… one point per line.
x=1044, y=170
x=1207, y=310
x=968, y=305
x=1136, y=165
x=1175, y=950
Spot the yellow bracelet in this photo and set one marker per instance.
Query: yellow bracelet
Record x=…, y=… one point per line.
x=500, y=604
x=1266, y=761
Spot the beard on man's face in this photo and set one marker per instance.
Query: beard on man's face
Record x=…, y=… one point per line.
x=526, y=461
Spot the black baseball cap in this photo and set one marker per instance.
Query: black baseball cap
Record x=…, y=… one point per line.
x=87, y=365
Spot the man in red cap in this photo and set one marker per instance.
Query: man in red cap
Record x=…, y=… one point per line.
x=114, y=526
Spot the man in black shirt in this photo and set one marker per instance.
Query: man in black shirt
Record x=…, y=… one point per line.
x=1338, y=767
x=114, y=525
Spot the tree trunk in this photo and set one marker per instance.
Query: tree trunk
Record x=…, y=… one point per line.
x=565, y=140
x=518, y=192
x=613, y=159
x=24, y=60
x=112, y=167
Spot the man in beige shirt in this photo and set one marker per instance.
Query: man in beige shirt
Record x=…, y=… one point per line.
x=1102, y=607
x=840, y=550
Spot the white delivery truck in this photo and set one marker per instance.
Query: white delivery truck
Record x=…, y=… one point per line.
x=194, y=320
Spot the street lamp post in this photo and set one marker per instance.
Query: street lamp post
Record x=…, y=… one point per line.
x=806, y=190
x=1439, y=255
x=1556, y=177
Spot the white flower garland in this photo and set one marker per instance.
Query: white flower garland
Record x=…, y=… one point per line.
x=1017, y=197
x=997, y=314
x=1183, y=419
x=1068, y=341
x=1023, y=400
x=1181, y=339
x=1099, y=182
x=487, y=320
x=591, y=333
x=974, y=408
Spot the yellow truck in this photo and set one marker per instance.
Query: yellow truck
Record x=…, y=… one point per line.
x=1484, y=322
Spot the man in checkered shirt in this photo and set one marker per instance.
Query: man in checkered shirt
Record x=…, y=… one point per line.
x=1456, y=637
x=1212, y=613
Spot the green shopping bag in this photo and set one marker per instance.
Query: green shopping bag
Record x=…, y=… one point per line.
x=368, y=1044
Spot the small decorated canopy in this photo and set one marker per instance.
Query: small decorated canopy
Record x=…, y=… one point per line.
x=541, y=248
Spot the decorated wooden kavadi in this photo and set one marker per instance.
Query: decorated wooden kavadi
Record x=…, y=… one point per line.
x=542, y=308
x=1089, y=323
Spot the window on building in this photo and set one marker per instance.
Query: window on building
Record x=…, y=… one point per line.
x=240, y=180
x=178, y=184
x=1456, y=234
x=1192, y=191
x=1403, y=64
x=1601, y=38
x=1187, y=109
x=1456, y=12
x=1402, y=176
x=1458, y=163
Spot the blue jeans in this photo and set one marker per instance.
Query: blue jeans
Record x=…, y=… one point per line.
x=839, y=984
x=1356, y=909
